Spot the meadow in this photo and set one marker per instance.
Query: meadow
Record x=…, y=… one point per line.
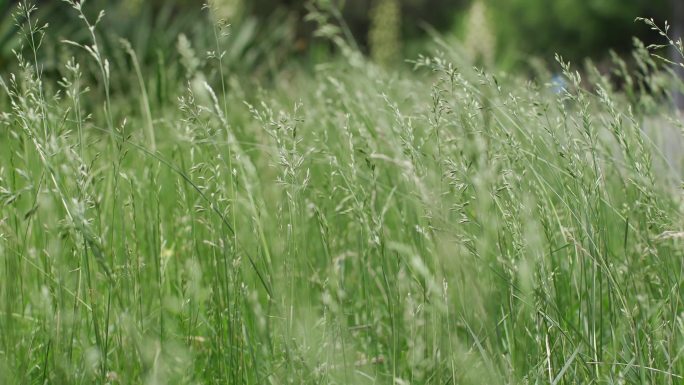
x=345, y=224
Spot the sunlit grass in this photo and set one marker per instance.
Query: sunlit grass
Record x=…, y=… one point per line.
x=351, y=225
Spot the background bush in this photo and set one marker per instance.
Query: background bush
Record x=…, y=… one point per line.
x=523, y=28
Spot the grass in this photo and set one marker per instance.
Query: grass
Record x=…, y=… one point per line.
x=346, y=225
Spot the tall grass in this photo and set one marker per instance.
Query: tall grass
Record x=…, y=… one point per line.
x=351, y=225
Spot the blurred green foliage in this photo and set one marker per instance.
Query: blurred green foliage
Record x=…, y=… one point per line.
x=573, y=28
x=272, y=32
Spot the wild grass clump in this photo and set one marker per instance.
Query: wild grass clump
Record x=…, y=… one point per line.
x=351, y=225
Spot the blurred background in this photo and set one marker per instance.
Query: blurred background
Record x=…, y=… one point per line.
x=268, y=35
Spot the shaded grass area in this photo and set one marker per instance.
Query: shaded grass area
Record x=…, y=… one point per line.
x=349, y=225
